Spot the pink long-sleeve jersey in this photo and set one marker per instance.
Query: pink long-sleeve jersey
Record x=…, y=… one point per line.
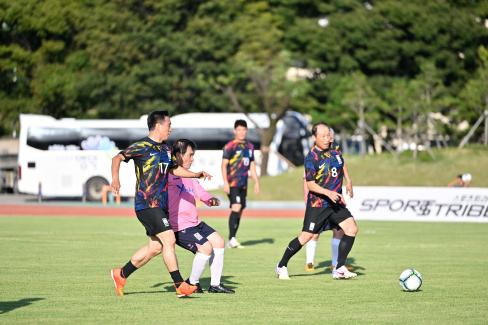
x=182, y=196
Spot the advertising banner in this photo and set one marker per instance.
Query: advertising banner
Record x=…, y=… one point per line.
x=419, y=203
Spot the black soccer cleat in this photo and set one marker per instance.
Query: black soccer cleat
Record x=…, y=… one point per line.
x=220, y=289
x=199, y=288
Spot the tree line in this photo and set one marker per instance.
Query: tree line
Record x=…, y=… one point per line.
x=397, y=71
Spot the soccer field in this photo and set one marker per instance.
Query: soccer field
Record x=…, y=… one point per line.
x=56, y=271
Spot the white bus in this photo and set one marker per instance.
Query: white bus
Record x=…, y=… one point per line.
x=71, y=158
x=211, y=131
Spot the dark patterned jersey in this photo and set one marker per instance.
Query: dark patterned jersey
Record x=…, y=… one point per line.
x=240, y=156
x=152, y=163
x=324, y=167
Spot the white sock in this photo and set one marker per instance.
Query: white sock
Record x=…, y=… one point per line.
x=334, y=245
x=199, y=262
x=310, y=251
x=216, y=266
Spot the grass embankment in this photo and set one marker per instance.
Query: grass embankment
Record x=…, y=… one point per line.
x=387, y=170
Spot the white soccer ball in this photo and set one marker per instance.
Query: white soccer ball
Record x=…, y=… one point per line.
x=410, y=280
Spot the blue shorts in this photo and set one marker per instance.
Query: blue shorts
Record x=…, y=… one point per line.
x=189, y=238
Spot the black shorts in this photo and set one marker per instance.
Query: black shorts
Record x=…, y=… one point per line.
x=238, y=195
x=155, y=220
x=189, y=238
x=320, y=219
x=329, y=226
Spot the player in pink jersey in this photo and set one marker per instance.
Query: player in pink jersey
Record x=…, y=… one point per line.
x=192, y=233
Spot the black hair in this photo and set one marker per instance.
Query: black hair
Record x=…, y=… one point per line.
x=316, y=125
x=181, y=146
x=240, y=123
x=156, y=117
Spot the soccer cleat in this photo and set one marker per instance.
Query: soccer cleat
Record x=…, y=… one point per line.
x=233, y=243
x=343, y=273
x=309, y=267
x=282, y=273
x=199, y=288
x=220, y=289
x=184, y=289
x=119, y=281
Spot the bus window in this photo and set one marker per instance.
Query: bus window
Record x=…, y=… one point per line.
x=49, y=138
x=212, y=138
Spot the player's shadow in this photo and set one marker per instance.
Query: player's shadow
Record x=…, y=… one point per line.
x=325, y=268
x=226, y=280
x=6, y=306
x=168, y=288
x=204, y=282
x=258, y=241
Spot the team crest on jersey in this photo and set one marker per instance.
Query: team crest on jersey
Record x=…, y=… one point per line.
x=339, y=159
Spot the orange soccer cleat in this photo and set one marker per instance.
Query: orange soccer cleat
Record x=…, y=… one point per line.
x=119, y=281
x=184, y=289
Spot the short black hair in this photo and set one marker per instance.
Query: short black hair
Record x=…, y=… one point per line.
x=240, y=123
x=156, y=117
x=316, y=125
x=181, y=146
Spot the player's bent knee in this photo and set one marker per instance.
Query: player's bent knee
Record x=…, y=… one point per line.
x=205, y=248
x=305, y=237
x=167, y=238
x=236, y=207
x=216, y=240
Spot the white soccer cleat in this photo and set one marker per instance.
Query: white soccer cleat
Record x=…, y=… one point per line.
x=282, y=273
x=343, y=273
x=233, y=243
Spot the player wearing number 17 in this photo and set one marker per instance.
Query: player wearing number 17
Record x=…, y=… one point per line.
x=153, y=160
x=324, y=171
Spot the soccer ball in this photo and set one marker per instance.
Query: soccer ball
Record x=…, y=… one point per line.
x=410, y=280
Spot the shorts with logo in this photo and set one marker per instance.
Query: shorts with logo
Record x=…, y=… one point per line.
x=320, y=219
x=189, y=238
x=238, y=195
x=155, y=220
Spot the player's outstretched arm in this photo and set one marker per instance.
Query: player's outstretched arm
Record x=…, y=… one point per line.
x=349, y=190
x=116, y=160
x=203, y=195
x=225, y=162
x=254, y=176
x=185, y=173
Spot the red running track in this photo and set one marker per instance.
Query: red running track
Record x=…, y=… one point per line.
x=42, y=210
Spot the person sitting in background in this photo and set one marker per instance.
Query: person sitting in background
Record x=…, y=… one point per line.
x=462, y=180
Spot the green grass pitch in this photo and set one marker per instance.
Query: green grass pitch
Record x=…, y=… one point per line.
x=56, y=271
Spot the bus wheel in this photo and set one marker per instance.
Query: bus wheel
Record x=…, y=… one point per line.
x=94, y=188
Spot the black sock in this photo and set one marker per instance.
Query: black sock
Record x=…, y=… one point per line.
x=344, y=248
x=293, y=247
x=176, y=276
x=128, y=269
x=233, y=223
x=239, y=219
